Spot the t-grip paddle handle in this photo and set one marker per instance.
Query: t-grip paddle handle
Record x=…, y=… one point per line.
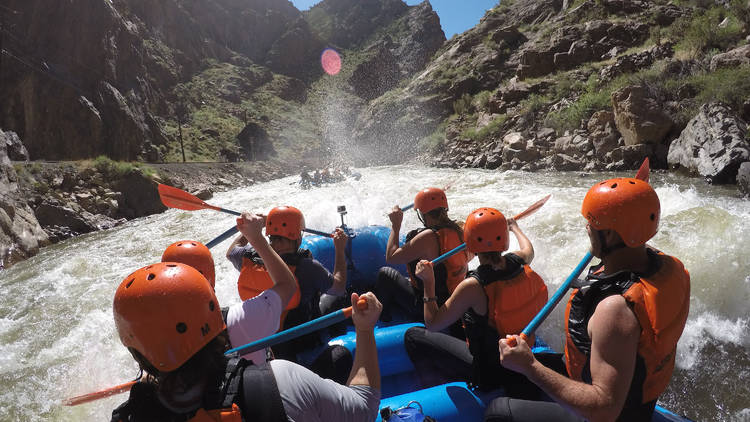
x=361, y=305
x=512, y=340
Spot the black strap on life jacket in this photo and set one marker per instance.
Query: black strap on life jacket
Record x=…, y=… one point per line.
x=252, y=387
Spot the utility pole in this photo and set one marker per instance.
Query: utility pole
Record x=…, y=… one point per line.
x=182, y=145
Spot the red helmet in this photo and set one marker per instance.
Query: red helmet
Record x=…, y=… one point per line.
x=429, y=199
x=626, y=205
x=486, y=230
x=167, y=312
x=192, y=253
x=286, y=222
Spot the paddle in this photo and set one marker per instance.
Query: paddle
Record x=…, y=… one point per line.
x=173, y=197
x=85, y=398
x=642, y=174
x=280, y=337
x=300, y=330
x=530, y=210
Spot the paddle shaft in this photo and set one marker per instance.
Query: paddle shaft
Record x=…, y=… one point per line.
x=292, y=333
x=532, y=209
x=75, y=401
x=300, y=330
x=642, y=174
x=553, y=301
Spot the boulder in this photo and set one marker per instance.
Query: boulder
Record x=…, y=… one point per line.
x=743, y=178
x=535, y=63
x=140, y=196
x=733, y=58
x=574, y=145
x=21, y=236
x=602, y=132
x=639, y=118
x=713, y=144
x=565, y=162
x=51, y=214
x=14, y=148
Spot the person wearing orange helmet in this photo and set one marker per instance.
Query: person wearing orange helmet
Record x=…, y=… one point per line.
x=439, y=235
x=622, y=322
x=284, y=229
x=168, y=317
x=246, y=321
x=500, y=297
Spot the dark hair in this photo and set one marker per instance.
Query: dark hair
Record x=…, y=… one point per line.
x=494, y=257
x=208, y=362
x=441, y=215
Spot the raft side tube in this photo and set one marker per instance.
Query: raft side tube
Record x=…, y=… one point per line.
x=365, y=255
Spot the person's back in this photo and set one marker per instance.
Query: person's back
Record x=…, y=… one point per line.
x=622, y=324
x=169, y=318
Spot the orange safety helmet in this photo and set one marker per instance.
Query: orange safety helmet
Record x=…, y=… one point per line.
x=429, y=199
x=285, y=222
x=626, y=205
x=192, y=253
x=486, y=230
x=167, y=312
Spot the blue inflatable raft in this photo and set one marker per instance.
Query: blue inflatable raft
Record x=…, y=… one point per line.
x=449, y=402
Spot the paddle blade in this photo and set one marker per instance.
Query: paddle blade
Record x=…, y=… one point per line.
x=533, y=208
x=643, y=171
x=178, y=198
x=75, y=401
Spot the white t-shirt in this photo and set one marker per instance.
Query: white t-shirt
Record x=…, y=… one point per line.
x=252, y=320
x=310, y=398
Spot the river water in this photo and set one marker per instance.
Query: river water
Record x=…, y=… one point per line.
x=57, y=336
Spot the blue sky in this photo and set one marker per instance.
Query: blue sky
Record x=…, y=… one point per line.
x=456, y=16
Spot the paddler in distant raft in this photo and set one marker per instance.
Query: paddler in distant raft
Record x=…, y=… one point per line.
x=622, y=322
x=440, y=234
x=500, y=297
x=169, y=318
x=284, y=229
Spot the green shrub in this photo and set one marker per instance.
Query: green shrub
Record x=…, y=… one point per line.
x=481, y=100
x=463, y=104
x=701, y=32
x=117, y=169
x=481, y=134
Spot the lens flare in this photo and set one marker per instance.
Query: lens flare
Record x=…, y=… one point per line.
x=331, y=61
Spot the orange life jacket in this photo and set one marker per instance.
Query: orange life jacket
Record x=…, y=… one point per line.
x=455, y=266
x=448, y=273
x=659, y=301
x=514, y=297
x=512, y=304
x=254, y=280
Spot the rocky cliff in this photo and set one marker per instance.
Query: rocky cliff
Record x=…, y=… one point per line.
x=130, y=79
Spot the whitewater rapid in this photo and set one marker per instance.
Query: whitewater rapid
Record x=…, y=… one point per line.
x=57, y=336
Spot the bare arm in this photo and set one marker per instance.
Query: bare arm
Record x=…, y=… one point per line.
x=527, y=249
x=251, y=225
x=238, y=242
x=396, y=216
x=468, y=294
x=422, y=246
x=365, y=369
x=614, y=332
x=339, y=267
